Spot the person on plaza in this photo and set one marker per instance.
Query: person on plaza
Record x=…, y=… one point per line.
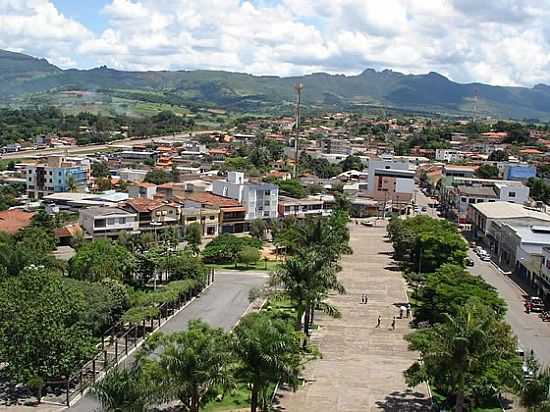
x=393, y=323
x=366, y=298
x=408, y=310
x=379, y=321
x=362, y=298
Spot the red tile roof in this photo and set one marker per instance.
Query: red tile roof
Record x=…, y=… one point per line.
x=212, y=199
x=68, y=231
x=11, y=221
x=143, y=205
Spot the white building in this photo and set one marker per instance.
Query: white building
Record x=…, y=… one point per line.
x=108, y=221
x=259, y=199
x=449, y=155
x=390, y=179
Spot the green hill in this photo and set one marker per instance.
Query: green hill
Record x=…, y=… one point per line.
x=21, y=75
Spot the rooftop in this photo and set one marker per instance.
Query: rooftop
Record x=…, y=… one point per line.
x=11, y=221
x=212, y=199
x=478, y=191
x=105, y=211
x=506, y=210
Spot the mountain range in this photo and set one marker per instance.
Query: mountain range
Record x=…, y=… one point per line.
x=22, y=75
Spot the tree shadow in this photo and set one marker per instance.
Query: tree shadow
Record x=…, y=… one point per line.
x=393, y=268
x=407, y=401
x=386, y=253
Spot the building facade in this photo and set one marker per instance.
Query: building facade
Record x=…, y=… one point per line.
x=58, y=174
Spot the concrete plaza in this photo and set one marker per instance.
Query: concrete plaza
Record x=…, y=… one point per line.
x=362, y=366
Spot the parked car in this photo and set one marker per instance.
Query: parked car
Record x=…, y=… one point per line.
x=468, y=262
x=534, y=304
x=485, y=257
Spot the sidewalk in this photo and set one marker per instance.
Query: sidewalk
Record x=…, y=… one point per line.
x=362, y=366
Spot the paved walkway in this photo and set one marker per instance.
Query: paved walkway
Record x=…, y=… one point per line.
x=362, y=366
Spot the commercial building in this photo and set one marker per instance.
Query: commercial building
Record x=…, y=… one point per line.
x=259, y=199
x=57, y=174
x=390, y=180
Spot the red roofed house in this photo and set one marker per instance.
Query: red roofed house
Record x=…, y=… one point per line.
x=154, y=214
x=232, y=213
x=12, y=221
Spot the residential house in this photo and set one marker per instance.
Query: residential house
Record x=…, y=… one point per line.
x=108, y=221
x=142, y=190
x=154, y=214
x=232, y=214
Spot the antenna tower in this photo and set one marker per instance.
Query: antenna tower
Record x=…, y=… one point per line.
x=298, y=88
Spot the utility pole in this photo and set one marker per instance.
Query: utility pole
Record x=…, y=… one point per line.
x=298, y=88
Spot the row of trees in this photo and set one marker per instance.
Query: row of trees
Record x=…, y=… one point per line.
x=468, y=352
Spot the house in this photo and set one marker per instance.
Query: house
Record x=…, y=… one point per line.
x=259, y=199
x=56, y=174
x=154, y=214
x=300, y=208
x=108, y=221
x=460, y=171
x=232, y=214
x=449, y=155
x=208, y=218
x=12, y=221
x=132, y=175
x=142, y=190
x=67, y=233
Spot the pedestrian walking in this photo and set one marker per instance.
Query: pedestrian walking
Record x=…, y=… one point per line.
x=379, y=321
x=393, y=323
x=408, y=310
x=362, y=298
x=402, y=310
x=366, y=298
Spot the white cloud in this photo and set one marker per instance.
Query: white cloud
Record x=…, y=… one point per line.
x=495, y=41
x=37, y=27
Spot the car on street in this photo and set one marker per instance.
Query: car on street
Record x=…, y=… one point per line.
x=485, y=257
x=534, y=304
x=468, y=262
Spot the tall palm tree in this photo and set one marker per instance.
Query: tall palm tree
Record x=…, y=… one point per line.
x=192, y=366
x=120, y=391
x=267, y=351
x=307, y=279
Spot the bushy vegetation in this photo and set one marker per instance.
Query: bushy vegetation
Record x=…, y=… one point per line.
x=226, y=248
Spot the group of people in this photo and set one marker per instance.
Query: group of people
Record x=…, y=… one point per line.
x=404, y=310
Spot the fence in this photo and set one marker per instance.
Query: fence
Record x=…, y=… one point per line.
x=116, y=344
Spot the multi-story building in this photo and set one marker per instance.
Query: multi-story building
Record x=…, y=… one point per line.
x=108, y=221
x=335, y=146
x=231, y=212
x=142, y=190
x=456, y=194
x=390, y=180
x=300, y=208
x=259, y=199
x=154, y=214
x=449, y=155
x=57, y=174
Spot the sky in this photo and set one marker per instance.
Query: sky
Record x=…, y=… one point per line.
x=500, y=42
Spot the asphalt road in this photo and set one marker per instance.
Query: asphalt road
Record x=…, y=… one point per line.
x=75, y=150
x=531, y=331
x=221, y=305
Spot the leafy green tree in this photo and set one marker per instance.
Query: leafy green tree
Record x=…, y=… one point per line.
x=193, y=366
x=535, y=395
x=225, y=248
x=468, y=357
x=258, y=229
x=498, y=156
x=39, y=329
x=448, y=289
x=539, y=190
x=101, y=259
x=487, y=171
x=158, y=176
x=291, y=187
x=100, y=169
x=71, y=184
x=193, y=236
x=249, y=255
x=267, y=351
x=351, y=163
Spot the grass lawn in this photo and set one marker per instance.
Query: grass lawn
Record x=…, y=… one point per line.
x=238, y=399
x=259, y=265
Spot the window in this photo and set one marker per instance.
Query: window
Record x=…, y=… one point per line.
x=512, y=194
x=111, y=221
x=266, y=214
x=463, y=199
x=471, y=201
x=121, y=220
x=212, y=217
x=191, y=219
x=267, y=193
x=267, y=203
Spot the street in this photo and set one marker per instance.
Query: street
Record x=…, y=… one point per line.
x=221, y=305
x=75, y=150
x=531, y=331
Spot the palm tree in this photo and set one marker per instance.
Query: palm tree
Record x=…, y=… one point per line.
x=267, y=351
x=120, y=391
x=192, y=366
x=71, y=184
x=307, y=279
